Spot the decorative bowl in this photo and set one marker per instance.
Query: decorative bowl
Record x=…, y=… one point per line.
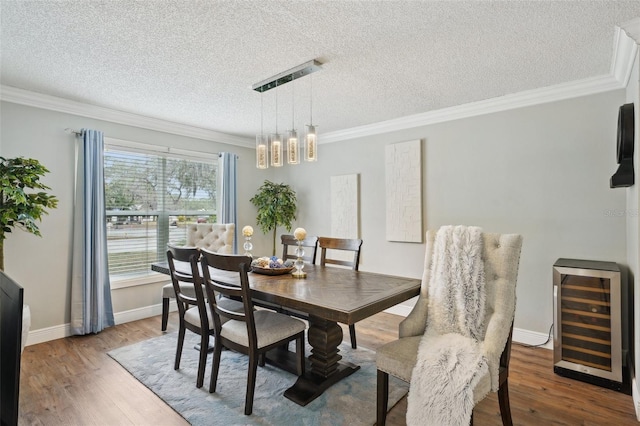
x=271, y=271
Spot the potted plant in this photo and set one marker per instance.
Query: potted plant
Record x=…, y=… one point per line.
x=276, y=205
x=20, y=206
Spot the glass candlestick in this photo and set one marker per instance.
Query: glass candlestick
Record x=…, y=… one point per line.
x=299, y=263
x=247, y=247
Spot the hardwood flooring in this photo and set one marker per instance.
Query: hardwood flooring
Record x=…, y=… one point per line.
x=73, y=381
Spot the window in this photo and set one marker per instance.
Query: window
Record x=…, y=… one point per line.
x=150, y=198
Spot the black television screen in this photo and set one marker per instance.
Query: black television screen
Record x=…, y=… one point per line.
x=11, y=303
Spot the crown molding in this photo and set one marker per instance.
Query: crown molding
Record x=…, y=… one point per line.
x=624, y=53
x=632, y=28
x=39, y=100
x=558, y=92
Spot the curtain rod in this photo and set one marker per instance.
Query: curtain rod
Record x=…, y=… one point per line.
x=71, y=131
x=129, y=144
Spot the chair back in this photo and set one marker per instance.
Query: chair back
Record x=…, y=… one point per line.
x=311, y=243
x=501, y=254
x=183, y=268
x=217, y=237
x=344, y=244
x=234, y=286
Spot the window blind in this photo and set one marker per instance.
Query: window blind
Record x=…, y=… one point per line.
x=151, y=197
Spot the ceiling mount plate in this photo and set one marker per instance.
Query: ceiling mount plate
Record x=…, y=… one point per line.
x=287, y=76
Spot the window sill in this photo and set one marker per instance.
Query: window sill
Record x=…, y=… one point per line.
x=134, y=282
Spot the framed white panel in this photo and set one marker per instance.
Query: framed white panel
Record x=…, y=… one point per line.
x=344, y=206
x=403, y=168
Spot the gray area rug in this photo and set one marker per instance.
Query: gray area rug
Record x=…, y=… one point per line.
x=351, y=402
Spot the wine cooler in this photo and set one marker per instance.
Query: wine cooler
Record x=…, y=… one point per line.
x=587, y=342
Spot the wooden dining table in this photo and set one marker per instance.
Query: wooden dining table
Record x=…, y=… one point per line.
x=329, y=295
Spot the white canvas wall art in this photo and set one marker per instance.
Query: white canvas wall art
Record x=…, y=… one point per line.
x=403, y=175
x=344, y=206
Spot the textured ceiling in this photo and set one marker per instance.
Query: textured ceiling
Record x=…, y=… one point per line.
x=194, y=62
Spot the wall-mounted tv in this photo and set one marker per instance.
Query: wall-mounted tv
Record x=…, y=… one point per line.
x=625, y=175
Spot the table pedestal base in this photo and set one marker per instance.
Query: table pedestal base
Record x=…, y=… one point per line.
x=309, y=386
x=324, y=368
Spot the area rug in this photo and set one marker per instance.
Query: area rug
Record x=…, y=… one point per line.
x=351, y=401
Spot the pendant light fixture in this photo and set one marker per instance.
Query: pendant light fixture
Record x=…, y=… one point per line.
x=276, y=141
x=293, y=147
x=274, y=151
x=311, y=138
x=262, y=149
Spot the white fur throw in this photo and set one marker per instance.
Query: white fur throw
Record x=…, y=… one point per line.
x=456, y=287
x=450, y=359
x=441, y=393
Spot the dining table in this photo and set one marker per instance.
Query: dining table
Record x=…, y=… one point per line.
x=328, y=295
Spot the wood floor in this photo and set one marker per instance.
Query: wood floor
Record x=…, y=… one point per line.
x=73, y=381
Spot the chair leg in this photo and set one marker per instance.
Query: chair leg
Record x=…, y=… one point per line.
x=215, y=366
x=352, y=334
x=165, y=313
x=382, y=404
x=202, y=361
x=251, y=383
x=180, y=344
x=505, y=408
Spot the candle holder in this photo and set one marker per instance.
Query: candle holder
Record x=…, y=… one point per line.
x=247, y=247
x=299, y=263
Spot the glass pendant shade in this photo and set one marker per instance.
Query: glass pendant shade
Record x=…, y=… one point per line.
x=293, y=148
x=262, y=152
x=276, y=150
x=311, y=144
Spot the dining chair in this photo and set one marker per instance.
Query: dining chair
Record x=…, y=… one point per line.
x=193, y=312
x=310, y=243
x=501, y=255
x=251, y=332
x=212, y=236
x=327, y=245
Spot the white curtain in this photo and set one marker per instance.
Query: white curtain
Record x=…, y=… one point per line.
x=227, y=184
x=91, y=308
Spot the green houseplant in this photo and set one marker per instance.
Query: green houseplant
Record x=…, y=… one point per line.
x=276, y=205
x=20, y=205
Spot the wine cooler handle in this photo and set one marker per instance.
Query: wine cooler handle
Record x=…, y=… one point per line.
x=555, y=313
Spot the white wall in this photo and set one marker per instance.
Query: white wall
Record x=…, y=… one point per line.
x=42, y=265
x=541, y=171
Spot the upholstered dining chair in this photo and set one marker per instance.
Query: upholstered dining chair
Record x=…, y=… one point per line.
x=310, y=245
x=212, y=236
x=328, y=257
x=501, y=255
x=193, y=312
x=252, y=332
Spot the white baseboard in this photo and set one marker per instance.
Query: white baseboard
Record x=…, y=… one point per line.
x=402, y=310
x=532, y=338
x=138, y=313
x=60, y=331
x=50, y=333
x=64, y=330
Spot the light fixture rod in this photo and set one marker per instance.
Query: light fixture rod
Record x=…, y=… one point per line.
x=287, y=76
